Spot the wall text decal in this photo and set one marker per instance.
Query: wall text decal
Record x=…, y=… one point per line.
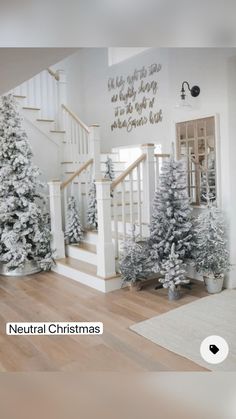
x=134, y=98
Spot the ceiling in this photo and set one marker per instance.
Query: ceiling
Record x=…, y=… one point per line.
x=20, y=64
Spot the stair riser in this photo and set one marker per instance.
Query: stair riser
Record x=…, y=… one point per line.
x=31, y=114
x=119, y=210
x=81, y=254
x=114, y=157
x=89, y=280
x=117, y=166
x=67, y=166
x=20, y=101
x=119, y=194
x=45, y=126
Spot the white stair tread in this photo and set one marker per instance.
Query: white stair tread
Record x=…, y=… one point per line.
x=89, y=247
x=45, y=120
x=84, y=267
x=31, y=108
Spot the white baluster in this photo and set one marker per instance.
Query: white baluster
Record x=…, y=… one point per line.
x=115, y=217
x=139, y=200
x=62, y=96
x=123, y=207
x=65, y=198
x=148, y=183
x=157, y=170
x=94, y=142
x=131, y=199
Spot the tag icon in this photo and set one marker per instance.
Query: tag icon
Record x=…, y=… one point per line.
x=214, y=349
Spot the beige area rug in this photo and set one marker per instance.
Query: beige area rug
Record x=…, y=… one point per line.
x=182, y=330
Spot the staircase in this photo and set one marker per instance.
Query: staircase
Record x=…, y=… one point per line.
x=93, y=262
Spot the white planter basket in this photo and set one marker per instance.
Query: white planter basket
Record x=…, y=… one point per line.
x=214, y=285
x=29, y=268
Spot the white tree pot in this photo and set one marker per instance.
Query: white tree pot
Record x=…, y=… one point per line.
x=214, y=285
x=29, y=268
x=174, y=294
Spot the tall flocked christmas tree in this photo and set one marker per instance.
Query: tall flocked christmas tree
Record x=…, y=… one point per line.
x=74, y=230
x=24, y=231
x=92, y=220
x=171, y=217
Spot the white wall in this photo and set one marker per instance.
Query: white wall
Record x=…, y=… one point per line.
x=231, y=155
x=212, y=69
x=46, y=153
x=88, y=73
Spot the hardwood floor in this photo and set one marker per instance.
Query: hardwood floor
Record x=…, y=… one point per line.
x=51, y=297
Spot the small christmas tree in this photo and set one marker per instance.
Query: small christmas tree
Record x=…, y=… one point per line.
x=74, y=230
x=208, y=180
x=172, y=269
x=109, y=173
x=24, y=231
x=92, y=207
x=211, y=255
x=171, y=217
x=134, y=261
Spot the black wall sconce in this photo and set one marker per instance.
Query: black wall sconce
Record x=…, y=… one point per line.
x=195, y=90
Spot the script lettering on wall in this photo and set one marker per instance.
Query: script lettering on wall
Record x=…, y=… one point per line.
x=134, y=98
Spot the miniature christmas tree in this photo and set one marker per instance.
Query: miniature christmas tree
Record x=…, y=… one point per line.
x=172, y=269
x=212, y=255
x=134, y=261
x=24, y=232
x=109, y=173
x=171, y=217
x=92, y=207
x=74, y=231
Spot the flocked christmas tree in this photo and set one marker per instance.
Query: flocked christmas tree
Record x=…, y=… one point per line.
x=74, y=230
x=171, y=217
x=211, y=255
x=109, y=172
x=92, y=219
x=172, y=269
x=208, y=180
x=24, y=230
x=134, y=260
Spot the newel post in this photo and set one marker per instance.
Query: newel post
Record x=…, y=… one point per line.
x=94, y=144
x=62, y=96
x=58, y=242
x=105, y=248
x=148, y=181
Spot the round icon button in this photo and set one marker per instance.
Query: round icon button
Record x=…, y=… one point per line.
x=214, y=349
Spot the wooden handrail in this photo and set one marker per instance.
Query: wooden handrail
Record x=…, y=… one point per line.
x=76, y=118
x=53, y=74
x=129, y=169
x=77, y=173
x=161, y=155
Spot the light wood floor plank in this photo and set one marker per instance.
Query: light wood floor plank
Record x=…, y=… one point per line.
x=52, y=297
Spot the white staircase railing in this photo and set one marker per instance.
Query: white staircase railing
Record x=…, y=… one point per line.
x=126, y=195
x=77, y=186
x=133, y=192
x=158, y=165
x=76, y=142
